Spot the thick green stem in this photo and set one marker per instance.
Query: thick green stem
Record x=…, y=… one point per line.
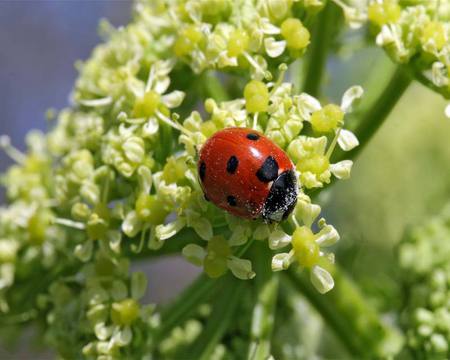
x=185, y=305
x=214, y=87
x=323, y=34
x=347, y=312
x=263, y=318
x=223, y=313
x=373, y=117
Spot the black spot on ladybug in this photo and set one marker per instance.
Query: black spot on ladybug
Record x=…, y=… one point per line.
x=202, y=170
x=268, y=171
x=252, y=136
x=232, y=164
x=231, y=200
x=282, y=197
x=206, y=198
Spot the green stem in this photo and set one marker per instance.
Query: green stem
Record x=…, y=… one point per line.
x=263, y=318
x=185, y=305
x=223, y=312
x=352, y=319
x=323, y=34
x=377, y=112
x=214, y=88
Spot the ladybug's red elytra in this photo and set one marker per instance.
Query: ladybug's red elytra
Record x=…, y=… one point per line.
x=246, y=174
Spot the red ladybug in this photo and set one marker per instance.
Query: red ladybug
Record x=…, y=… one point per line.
x=246, y=174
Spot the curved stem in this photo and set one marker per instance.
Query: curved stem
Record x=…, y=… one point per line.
x=185, y=304
x=353, y=320
x=377, y=112
x=263, y=319
x=224, y=308
x=323, y=34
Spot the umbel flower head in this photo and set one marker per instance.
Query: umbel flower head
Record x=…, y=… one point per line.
x=423, y=258
x=116, y=175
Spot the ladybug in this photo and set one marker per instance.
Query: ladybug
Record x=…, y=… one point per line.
x=246, y=174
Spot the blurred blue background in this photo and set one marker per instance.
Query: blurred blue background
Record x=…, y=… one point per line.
x=39, y=43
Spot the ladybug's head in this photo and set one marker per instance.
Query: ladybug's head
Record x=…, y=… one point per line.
x=282, y=197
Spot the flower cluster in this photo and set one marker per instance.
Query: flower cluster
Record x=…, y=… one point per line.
x=116, y=175
x=423, y=257
x=418, y=34
x=96, y=314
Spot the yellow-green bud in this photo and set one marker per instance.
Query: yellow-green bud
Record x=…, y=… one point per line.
x=151, y=209
x=327, y=119
x=174, y=170
x=434, y=31
x=125, y=312
x=316, y=164
x=307, y=252
x=218, y=247
x=187, y=40
x=37, y=227
x=208, y=128
x=147, y=105
x=214, y=266
x=387, y=12
x=297, y=36
x=256, y=96
x=238, y=43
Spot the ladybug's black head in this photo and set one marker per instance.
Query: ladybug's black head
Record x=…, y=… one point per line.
x=282, y=197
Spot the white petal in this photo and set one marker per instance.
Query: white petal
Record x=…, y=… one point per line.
x=173, y=99
x=203, y=228
x=282, y=261
x=347, y=140
x=239, y=236
x=84, y=251
x=164, y=232
x=342, y=169
x=279, y=239
x=268, y=28
x=241, y=268
x=123, y=336
x=321, y=279
x=261, y=232
x=115, y=239
x=131, y=225
x=307, y=211
x=138, y=285
x=327, y=236
x=352, y=94
x=150, y=127
x=274, y=48
x=162, y=84
x=447, y=111
x=145, y=179
x=194, y=254
x=306, y=105
x=102, y=332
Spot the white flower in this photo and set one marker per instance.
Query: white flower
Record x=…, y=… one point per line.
x=241, y=268
x=347, y=140
x=321, y=279
x=342, y=169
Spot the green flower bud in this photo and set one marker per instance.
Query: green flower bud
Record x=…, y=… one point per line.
x=383, y=13
x=327, y=119
x=297, y=36
x=125, y=312
x=237, y=43
x=147, y=105
x=305, y=247
x=256, y=96
x=150, y=208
